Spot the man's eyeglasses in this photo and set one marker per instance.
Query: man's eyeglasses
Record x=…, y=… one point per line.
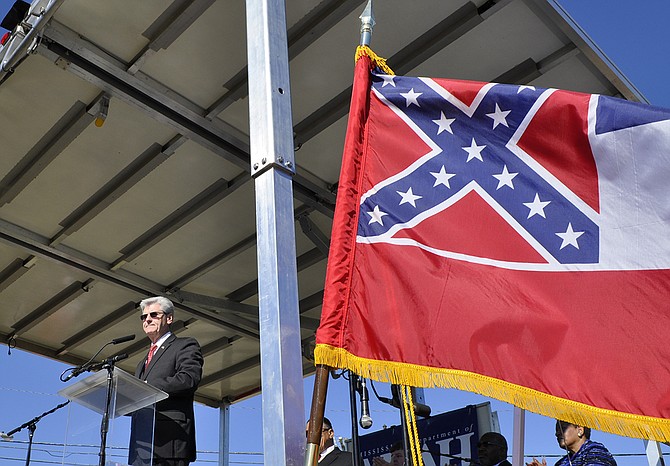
x=153, y=315
x=325, y=429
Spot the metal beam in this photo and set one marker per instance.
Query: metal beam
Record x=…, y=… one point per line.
x=306, y=323
x=15, y=270
x=66, y=129
x=437, y=38
x=224, y=434
x=65, y=296
x=230, y=371
x=178, y=17
x=529, y=69
x=272, y=166
x=305, y=260
x=38, y=245
x=223, y=257
x=217, y=303
x=132, y=174
x=311, y=301
x=320, y=240
x=219, y=345
x=36, y=348
x=300, y=36
x=111, y=75
x=182, y=215
x=97, y=328
x=213, y=263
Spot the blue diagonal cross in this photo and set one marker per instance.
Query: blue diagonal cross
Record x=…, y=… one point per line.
x=471, y=147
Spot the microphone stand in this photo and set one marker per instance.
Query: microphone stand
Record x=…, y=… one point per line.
x=409, y=459
x=108, y=364
x=104, y=425
x=355, y=443
x=32, y=425
x=419, y=410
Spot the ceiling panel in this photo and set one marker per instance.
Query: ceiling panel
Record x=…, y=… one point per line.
x=158, y=199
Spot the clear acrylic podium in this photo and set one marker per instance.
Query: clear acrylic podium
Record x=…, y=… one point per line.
x=84, y=433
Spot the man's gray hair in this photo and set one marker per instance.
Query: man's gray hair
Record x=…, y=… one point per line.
x=166, y=305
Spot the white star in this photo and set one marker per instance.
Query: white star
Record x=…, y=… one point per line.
x=505, y=178
x=537, y=206
x=499, y=117
x=376, y=216
x=442, y=177
x=388, y=79
x=444, y=123
x=570, y=237
x=411, y=97
x=409, y=197
x=521, y=88
x=474, y=151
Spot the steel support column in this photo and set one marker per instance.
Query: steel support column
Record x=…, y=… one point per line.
x=224, y=434
x=272, y=166
x=518, y=441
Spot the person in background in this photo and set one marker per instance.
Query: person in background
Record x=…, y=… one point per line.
x=492, y=450
x=173, y=365
x=581, y=450
x=329, y=454
x=397, y=456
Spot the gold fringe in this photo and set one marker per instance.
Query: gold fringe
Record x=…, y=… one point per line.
x=615, y=422
x=379, y=62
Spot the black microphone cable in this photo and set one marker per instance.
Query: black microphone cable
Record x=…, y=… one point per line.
x=75, y=371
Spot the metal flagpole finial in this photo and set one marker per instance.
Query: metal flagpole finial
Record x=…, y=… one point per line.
x=367, y=23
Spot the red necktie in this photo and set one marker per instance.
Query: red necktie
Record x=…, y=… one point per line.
x=152, y=350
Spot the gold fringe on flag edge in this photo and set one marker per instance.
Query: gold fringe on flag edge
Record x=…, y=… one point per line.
x=615, y=422
x=377, y=61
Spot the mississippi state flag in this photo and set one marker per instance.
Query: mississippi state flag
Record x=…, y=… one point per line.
x=507, y=240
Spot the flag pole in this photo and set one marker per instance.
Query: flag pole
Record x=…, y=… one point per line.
x=316, y=415
x=367, y=24
x=322, y=372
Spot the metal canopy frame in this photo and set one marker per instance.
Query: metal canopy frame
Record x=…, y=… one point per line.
x=85, y=253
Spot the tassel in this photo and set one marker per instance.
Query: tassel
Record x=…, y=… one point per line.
x=615, y=422
x=377, y=61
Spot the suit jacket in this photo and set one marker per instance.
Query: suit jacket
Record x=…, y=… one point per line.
x=176, y=368
x=337, y=457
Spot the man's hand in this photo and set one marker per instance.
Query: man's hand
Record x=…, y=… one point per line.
x=535, y=462
x=379, y=461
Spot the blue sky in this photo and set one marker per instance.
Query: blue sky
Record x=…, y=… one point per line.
x=633, y=34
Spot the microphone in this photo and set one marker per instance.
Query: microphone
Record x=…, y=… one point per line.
x=366, y=420
x=419, y=408
x=116, y=341
x=117, y=358
x=74, y=372
x=111, y=360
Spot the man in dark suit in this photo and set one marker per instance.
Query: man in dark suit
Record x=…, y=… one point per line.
x=329, y=454
x=492, y=450
x=173, y=365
